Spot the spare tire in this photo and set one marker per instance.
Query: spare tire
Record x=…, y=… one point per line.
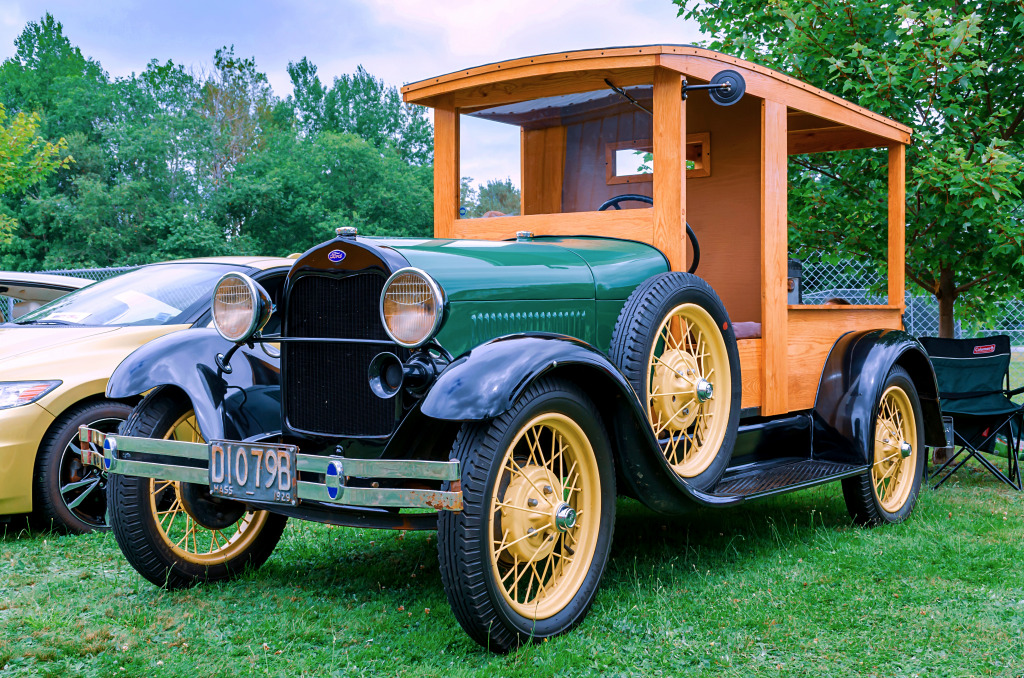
x=674, y=342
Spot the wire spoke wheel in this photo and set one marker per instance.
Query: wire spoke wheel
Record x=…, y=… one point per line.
x=186, y=537
x=545, y=516
x=896, y=449
x=688, y=389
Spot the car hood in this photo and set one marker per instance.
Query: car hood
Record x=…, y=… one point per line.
x=41, y=352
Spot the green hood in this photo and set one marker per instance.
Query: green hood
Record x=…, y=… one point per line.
x=542, y=268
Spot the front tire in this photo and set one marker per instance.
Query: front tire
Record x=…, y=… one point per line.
x=152, y=526
x=70, y=496
x=887, y=493
x=523, y=560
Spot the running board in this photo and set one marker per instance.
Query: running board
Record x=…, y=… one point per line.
x=776, y=478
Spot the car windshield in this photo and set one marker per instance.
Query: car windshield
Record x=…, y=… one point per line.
x=162, y=294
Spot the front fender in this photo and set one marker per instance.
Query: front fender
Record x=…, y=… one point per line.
x=485, y=382
x=232, y=406
x=851, y=384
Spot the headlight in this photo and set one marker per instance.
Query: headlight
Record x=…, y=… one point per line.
x=241, y=307
x=411, y=307
x=18, y=393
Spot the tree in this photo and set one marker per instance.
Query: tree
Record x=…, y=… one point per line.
x=363, y=105
x=494, y=196
x=953, y=70
x=25, y=160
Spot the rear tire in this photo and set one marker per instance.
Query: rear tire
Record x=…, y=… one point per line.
x=69, y=496
x=516, y=565
x=888, y=491
x=145, y=512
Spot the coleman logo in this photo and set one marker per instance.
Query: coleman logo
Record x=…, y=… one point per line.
x=336, y=256
x=987, y=348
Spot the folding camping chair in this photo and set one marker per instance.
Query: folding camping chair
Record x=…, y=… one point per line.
x=974, y=389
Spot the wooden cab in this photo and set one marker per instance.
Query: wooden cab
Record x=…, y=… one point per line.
x=723, y=169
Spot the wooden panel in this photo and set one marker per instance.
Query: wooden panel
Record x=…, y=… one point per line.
x=897, y=225
x=724, y=209
x=825, y=139
x=750, y=365
x=627, y=224
x=774, y=253
x=550, y=84
x=446, y=170
x=585, y=184
x=543, y=161
x=812, y=332
x=670, y=178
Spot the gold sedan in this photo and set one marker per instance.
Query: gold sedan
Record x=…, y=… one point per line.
x=55, y=362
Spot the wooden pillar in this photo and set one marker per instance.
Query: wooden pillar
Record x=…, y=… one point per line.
x=774, y=255
x=446, y=168
x=897, y=223
x=670, y=167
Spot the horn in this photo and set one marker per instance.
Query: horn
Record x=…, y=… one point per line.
x=386, y=375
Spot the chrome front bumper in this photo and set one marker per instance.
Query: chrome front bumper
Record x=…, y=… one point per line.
x=107, y=452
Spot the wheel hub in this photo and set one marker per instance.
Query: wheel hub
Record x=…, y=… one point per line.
x=676, y=375
x=533, y=514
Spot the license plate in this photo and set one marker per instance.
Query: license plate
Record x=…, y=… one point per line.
x=253, y=472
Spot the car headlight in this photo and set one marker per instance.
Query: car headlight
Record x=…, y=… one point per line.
x=241, y=307
x=18, y=393
x=411, y=307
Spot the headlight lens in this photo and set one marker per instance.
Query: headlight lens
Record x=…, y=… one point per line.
x=18, y=393
x=411, y=307
x=241, y=307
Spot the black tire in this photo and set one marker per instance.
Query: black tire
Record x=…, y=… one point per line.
x=466, y=552
x=635, y=337
x=69, y=496
x=860, y=492
x=145, y=544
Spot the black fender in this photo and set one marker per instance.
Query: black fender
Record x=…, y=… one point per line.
x=234, y=406
x=846, y=403
x=485, y=382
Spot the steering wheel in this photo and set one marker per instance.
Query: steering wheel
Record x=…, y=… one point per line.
x=626, y=197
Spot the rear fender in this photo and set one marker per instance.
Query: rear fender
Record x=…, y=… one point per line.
x=485, y=382
x=235, y=406
x=851, y=384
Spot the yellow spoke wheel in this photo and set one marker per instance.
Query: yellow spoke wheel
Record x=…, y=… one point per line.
x=545, y=516
x=523, y=559
x=688, y=389
x=896, y=449
x=180, y=531
x=154, y=520
x=887, y=491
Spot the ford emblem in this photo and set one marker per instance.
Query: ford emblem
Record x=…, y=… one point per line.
x=336, y=256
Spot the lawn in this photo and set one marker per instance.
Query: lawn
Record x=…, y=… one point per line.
x=787, y=586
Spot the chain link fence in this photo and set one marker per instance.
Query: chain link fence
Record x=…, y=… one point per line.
x=7, y=305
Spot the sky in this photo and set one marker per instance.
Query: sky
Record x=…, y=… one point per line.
x=400, y=41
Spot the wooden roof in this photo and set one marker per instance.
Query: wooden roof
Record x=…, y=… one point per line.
x=553, y=74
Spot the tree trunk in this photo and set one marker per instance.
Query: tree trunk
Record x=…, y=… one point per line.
x=946, y=295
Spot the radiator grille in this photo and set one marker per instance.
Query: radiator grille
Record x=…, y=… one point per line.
x=326, y=389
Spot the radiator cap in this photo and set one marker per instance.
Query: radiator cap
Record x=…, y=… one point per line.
x=347, y=232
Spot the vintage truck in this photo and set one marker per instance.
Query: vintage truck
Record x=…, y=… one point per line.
x=504, y=381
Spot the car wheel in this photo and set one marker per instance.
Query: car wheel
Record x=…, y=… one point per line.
x=888, y=492
x=674, y=342
x=154, y=527
x=523, y=560
x=70, y=496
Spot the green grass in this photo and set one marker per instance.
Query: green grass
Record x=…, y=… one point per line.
x=787, y=586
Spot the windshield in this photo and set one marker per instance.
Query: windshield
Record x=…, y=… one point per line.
x=163, y=294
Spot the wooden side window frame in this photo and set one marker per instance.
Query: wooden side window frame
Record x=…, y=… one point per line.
x=698, y=151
